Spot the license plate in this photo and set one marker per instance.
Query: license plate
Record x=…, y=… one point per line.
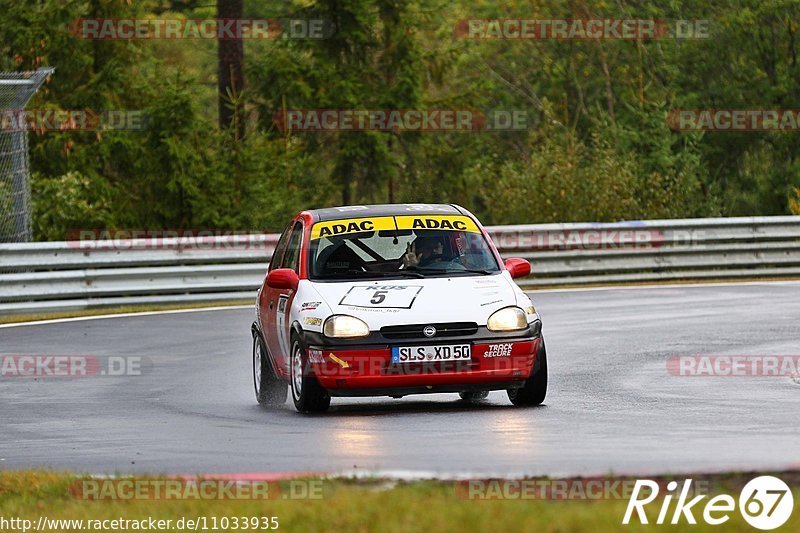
x=420, y=354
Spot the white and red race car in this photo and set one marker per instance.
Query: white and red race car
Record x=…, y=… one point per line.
x=390, y=300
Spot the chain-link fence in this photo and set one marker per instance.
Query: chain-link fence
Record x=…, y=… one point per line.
x=16, y=88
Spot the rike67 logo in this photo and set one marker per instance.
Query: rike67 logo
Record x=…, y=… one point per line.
x=765, y=502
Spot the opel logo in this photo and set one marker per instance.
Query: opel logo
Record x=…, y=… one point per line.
x=429, y=331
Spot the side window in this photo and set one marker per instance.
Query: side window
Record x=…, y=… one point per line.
x=280, y=248
x=292, y=257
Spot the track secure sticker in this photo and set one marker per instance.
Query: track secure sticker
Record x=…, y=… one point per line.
x=499, y=350
x=405, y=222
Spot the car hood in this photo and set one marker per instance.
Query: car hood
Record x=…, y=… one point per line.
x=413, y=301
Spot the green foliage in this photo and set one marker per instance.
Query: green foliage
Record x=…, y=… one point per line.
x=597, y=148
x=69, y=202
x=554, y=181
x=794, y=201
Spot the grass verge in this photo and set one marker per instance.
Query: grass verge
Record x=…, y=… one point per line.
x=359, y=505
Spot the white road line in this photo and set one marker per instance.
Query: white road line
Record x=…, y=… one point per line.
x=425, y=475
x=664, y=286
x=125, y=315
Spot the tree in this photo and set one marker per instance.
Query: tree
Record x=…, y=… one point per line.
x=230, y=75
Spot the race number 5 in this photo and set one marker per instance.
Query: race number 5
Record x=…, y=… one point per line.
x=378, y=297
x=381, y=296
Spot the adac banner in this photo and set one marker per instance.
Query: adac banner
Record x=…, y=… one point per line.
x=404, y=222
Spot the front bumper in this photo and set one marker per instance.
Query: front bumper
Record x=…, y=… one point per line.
x=498, y=362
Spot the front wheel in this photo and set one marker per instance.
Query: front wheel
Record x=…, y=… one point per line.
x=535, y=388
x=270, y=390
x=308, y=395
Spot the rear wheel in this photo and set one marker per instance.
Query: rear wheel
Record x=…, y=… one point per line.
x=474, y=396
x=308, y=395
x=535, y=388
x=270, y=390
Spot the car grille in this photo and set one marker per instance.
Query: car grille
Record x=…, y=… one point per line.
x=444, y=329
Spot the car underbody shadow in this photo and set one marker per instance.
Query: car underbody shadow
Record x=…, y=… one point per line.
x=383, y=406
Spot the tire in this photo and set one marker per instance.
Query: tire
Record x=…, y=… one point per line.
x=308, y=395
x=270, y=390
x=474, y=396
x=534, y=390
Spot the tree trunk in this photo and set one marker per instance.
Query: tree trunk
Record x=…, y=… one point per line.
x=230, y=78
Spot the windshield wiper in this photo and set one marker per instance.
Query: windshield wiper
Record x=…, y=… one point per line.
x=350, y=274
x=408, y=273
x=459, y=271
x=343, y=275
x=394, y=273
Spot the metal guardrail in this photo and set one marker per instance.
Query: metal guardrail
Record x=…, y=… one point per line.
x=40, y=277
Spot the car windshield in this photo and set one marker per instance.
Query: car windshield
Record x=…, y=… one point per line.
x=399, y=246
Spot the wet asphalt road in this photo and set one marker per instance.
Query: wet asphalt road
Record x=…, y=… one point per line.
x=612, y=404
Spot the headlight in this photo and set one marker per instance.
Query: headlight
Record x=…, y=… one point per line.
x=507, y=319
x=345, y=326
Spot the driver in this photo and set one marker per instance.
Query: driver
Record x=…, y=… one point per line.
x=422, y=252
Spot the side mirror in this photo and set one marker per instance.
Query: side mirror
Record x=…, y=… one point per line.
x=519, y=268
x=283, y=278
